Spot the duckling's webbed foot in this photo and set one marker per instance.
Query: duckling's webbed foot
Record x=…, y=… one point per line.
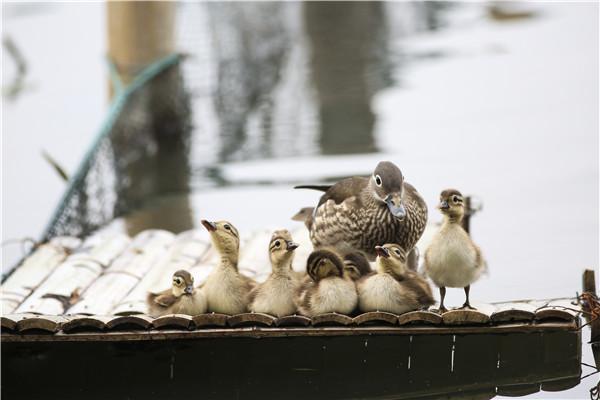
x=442, y=308
x=467, y=304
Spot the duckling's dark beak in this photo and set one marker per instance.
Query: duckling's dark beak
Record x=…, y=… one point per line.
x=444, y=205
x=291, y=245
x=394, y=203
x=210, y=226
x=189, y=289
x=382, y=251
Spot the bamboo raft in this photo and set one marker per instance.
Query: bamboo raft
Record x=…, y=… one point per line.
x=73, y=297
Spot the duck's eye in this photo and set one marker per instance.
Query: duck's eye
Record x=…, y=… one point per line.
x=227, y=227
x=277, y=244
x=397, y=252
x=177, y=281
x=377, y=180
x=455, y=199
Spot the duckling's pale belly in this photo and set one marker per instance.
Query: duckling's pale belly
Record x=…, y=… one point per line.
x=334, y=295
x=191, y=304
x=226, y=292
x=451, y=261
x=381, y=292
x=276, y=297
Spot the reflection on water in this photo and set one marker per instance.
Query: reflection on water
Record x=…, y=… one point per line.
x=347, y=63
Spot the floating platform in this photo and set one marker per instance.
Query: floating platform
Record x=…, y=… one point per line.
x=79, y=306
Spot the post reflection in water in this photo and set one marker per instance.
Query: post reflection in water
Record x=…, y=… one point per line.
x=347, y=44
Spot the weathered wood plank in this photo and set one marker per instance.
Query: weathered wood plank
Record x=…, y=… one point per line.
x=48, y=323
x=124, y=273
x=186, y=250
x=558, y=309
x=328, y=331
x=180, y=321
x=83, y=322
x=130, y=322
x=293, y=320
x=32, y=272
x=560, y=384
x=250, y=319
x=376, y=317
x=518, y=390
x=420, y=317
x=210, y=320
x=513, y=312
x=481, y=315
x=9, y=321
x=332, y=319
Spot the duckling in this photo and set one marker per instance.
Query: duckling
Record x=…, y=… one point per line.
x=394, y=288
x=182, y=298
x=452, y=259
x=275, y=296
x=356, y=265
x=360, y=213
x=226, y=289
x=326, y=288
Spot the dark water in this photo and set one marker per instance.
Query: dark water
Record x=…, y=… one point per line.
x=274, y=94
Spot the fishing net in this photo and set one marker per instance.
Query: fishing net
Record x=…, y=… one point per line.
x=146, y=133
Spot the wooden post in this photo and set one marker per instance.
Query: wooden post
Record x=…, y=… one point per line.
x=589, y=286
x=139, y=32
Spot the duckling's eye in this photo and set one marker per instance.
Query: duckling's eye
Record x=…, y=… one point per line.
x=378, y=180
x=277, y=244
x=455, y=199
x=177, y=281
x=227, y=227
x=397, y=252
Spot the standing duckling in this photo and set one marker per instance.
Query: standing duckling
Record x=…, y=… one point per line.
x=394, y=288
x=226, y=289
x=182, y=298
x=275, y=296
x=326, y=288
x=452, y=259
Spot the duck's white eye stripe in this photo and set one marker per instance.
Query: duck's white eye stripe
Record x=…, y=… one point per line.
x=378, y=180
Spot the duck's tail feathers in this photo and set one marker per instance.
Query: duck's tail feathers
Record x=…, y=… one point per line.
x=322, y=188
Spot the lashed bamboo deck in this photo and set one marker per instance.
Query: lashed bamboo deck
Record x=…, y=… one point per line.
x=97, y=290
x=70, y=299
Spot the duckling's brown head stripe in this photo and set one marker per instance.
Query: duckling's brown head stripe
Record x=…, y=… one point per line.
x=314, y=262
x=276, y=243
x=185, y=275
x=449, y=193
x=227, y=226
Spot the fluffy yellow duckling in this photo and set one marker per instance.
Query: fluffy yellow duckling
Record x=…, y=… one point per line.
x=182, y=298
x=327, y=288
x=453, y=259
x=226, y=289
x=275, y=296
x=394, y=288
